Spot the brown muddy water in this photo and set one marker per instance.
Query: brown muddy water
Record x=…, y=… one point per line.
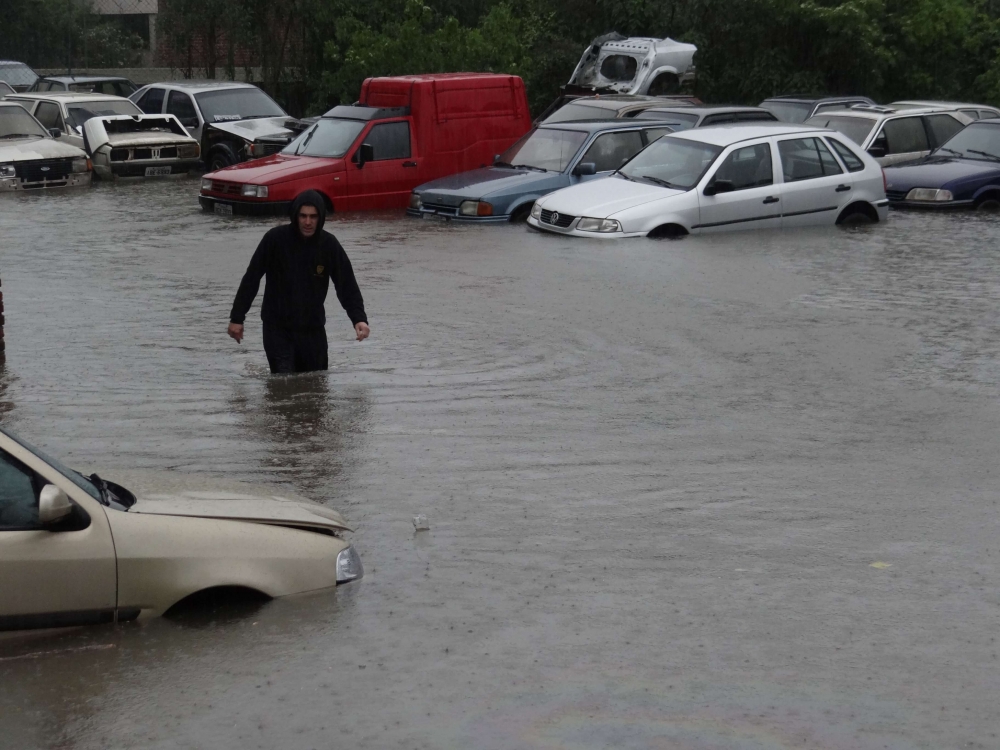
x=657, y=476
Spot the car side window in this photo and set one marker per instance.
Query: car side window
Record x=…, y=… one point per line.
x=43, y=86
x=905, y=135
x=942, y=128
x=609, y=151
x=390, y=140
x=847, y=155
x=18, y=495
x=180, y=104
x=651, y=134
x=806, y=159
x=718, y=119
x=747, y=167
x=47, y=113
x=152, y=101
x=970, y=113
x=987, y=114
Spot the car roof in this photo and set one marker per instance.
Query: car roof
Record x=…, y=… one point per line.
x=707, y=109
x=881, y=112
x=727, y=134
x=11, y=103
x=83, y=79
x=939, y=103
x=813, y=98
x=592, y=126
x=68, y=96
x=615, y=102
x=202, y=85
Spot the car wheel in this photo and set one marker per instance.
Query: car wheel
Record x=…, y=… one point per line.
x=520, y=215
x=857, y=214
x=990, y=203
x=219, y=159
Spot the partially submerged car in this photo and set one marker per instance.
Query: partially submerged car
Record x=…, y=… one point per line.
x=139, y=146
x=682, y=118
x=79, y=550
x=231, y=121
x=962, y=173
x=800, y=107
x=32, y=159
x=610, y=107
x=723, y=178
x=972, y=111
x=892, y=136
x=17, y=75
x=405, y=131
x=67, y=111
x=548, y=158
x=108, y=85
x=614, y=64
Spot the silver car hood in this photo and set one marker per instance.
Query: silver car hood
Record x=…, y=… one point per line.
x=29, y=149
x=261, y=127
x=169, y=494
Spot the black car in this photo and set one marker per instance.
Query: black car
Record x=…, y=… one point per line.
x=963, y=173
x=112, y=85
x=796, y=108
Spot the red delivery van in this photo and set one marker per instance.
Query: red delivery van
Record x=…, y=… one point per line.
x=403, y=132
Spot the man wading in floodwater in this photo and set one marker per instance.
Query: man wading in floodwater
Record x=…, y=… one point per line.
x=299, y=260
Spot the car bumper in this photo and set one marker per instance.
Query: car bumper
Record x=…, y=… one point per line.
x=15, y=185
x=932, y=205
x=424, y=213
x=572, y=231
x=244, y=208
x=150, y=168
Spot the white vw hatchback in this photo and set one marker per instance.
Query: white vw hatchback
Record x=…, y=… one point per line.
x=723, y=178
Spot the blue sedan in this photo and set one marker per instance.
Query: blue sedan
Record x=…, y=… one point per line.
x=963, y=173
x=548, y=158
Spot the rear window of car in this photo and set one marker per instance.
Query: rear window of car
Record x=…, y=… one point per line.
x=574, y=112
x=788, y=111
x=846, y=154
x=678, y=121
x=855, y=128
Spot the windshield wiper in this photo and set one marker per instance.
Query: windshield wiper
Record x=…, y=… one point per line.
x=950, y=150
x=529, y=166
x=988, y=155
x=658, y=181
x=306, y=140
x=622, y=174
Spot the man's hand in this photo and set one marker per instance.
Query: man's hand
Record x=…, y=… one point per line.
x=361, y=329
x=236, y=331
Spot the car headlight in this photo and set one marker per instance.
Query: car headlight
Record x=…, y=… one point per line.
x=415, y=201
x=929, y=194
x=206, y=185
x=254, y=191
x=598, y=225
x=475, y=208
x=7, y=170
x=81, y=165
x=536, y=211
x=189, y=151
x=349, y=565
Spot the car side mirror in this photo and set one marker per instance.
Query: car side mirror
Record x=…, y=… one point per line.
x=877, y=151
x=191, y=124
x=366, y=153
x=55, y=132
x=585, y=169
x=53, y=505
x=719, y=186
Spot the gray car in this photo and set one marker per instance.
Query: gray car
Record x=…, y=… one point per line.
x=548, y=158
x=682, y=118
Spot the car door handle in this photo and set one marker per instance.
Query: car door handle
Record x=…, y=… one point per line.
x=409, y=164
x=770, y=199
x=843, y=188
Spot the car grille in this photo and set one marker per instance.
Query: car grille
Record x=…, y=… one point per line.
x=557, y=219
x=44, y=170
x=440, y=208
x=130, y=154
x=896, y=195
x=266, y=149
x=228, y=188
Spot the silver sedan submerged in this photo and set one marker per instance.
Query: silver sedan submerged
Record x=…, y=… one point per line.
x=140, y=146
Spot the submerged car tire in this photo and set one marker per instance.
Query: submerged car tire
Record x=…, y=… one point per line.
x=219, y=158
x=857, y=213
x=520, y=214
x=668, y=232
x=990, y=202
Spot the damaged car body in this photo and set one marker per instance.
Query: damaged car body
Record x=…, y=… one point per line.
x=614, y=64
x=139, y=146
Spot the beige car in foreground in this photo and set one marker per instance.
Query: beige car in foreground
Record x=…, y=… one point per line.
x=78, y=550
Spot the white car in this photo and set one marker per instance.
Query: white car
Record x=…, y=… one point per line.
x=78, y=550
x=32, y=159
x=723, y=178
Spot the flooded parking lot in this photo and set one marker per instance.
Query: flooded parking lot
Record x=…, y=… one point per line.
x=735, y=491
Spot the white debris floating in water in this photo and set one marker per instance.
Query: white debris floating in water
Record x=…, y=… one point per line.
x=420, y=523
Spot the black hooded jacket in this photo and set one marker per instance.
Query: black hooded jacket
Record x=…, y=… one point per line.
x=298, y=271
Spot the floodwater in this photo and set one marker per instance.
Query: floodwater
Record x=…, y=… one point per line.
x=657, y=476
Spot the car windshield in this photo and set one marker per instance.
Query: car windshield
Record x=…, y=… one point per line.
x=15, y=122
x=74, y=476
x=672, y=162
x=17, y=74
x=975, y=142
x=328, y=137
x=789, y=111
x=678, y=121
x=80, y=113
x=855, y=128
x=576, y=112
x=237, y=104
x=545, y=148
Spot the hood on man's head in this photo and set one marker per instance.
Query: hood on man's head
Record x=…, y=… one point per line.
x=308, y=198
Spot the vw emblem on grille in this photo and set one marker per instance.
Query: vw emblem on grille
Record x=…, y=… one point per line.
x=46, y=169
x=554, y=218
x=156, y=153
